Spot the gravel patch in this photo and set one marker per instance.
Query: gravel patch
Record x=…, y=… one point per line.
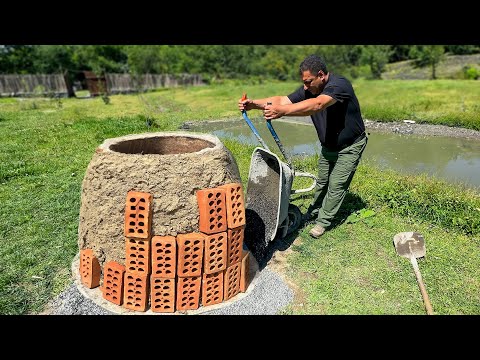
x=267, y=294
x=408, y=127
x=405, y=127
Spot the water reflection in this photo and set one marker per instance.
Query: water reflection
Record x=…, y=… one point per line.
x=451, y=159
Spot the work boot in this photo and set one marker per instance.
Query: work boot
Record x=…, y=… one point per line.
x=317, y=231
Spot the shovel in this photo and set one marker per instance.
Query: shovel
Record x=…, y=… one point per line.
x=412, y=246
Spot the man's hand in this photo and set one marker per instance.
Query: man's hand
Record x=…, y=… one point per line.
x=245, y=104
x=271, y=112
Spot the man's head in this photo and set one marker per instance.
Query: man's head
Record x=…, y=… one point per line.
x=314, y=73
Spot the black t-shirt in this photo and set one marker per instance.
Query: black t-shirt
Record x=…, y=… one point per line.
x=340, y=124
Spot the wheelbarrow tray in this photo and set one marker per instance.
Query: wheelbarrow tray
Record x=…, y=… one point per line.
x=267, y=198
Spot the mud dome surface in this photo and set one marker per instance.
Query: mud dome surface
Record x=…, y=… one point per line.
x=171, y=166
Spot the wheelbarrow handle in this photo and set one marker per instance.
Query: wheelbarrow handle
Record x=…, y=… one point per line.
x=277, y=140
x=305, y=174
x=252, y=127
x=254, y=130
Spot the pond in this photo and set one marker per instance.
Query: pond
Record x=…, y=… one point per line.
x=455, y=160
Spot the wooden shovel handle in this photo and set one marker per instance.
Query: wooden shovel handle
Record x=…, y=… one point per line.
x=426, y=300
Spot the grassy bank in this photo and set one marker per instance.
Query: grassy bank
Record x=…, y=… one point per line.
x=47, y=145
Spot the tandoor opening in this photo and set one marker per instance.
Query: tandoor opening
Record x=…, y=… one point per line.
x=161, y=145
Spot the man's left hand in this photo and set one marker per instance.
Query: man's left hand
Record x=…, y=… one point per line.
x=271, y=112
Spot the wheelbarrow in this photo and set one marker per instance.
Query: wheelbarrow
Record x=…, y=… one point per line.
x=268, y=211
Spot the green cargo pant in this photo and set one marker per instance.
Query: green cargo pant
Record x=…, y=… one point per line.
x=336, y=170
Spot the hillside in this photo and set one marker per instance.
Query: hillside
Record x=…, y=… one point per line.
x=451, y=67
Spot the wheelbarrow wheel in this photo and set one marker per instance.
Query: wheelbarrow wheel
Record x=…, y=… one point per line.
x=294, y=218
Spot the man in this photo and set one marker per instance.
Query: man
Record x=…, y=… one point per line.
x=330, y=101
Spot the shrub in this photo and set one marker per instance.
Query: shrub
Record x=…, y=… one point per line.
x=470, y=72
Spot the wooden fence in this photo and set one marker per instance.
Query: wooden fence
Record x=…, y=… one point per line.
x=126, y=83
x=33, y=85
x=57, y=84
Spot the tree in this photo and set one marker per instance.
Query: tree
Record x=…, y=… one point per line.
x=375, y=56
x=17, y=59
x=428, y=55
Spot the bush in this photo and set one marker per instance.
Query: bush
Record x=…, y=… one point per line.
x=470, y=72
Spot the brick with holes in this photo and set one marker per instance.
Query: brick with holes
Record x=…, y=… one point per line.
x=164, y=256
x=113, y=273
x=190, y=254
x=212, y=210
x=245, y=272
x=138, y=215
x=136, y=291
x=212, y=288
x=231, y=286
x=162, y=294
x=137, y=256
x=215, y=253
x=235, y=244
x=235, y=204
x=90, y=270
x=188, y=293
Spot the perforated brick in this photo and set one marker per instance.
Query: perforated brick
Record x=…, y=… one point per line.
x=212, y=288
x=235, y=244
x=113, y=273
x=137, y=256
x=162, y=294
x=231, y=285
x=212, y=210
x=138, y=215
x=135, y=292
x=188, y=293
x=164, y=256
x=189, y=254
x=89, y=269
x=245, y=277
x=215, y=253
x=235, y=202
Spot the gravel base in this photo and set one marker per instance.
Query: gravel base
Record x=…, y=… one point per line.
x=267, y=294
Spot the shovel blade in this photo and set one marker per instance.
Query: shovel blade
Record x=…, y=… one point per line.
x=409, y=244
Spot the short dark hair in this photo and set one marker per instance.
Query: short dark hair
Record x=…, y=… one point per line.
x=314, y=64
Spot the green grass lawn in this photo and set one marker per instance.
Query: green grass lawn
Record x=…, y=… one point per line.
x=47, y=145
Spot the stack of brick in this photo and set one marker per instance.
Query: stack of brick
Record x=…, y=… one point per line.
x=171, y=273
x=138, y=222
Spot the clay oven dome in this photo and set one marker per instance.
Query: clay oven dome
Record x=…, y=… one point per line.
x=171, y=166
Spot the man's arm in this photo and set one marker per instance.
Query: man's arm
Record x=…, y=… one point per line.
x=259, y=104
x=303, y=108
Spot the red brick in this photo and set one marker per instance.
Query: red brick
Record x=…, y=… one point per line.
x=245, y=277
x=162, y=294
x=188, y=293
x=212, y=209
x=235, y=202
x=235, y=244
x=89, y=269
x=138, y=215
x=164, y=256
x=189, y=254
x=212, y=288
x=113, y=273
x=215, y=253
x=137, y=256
x=135, y=292
x=231, y=285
